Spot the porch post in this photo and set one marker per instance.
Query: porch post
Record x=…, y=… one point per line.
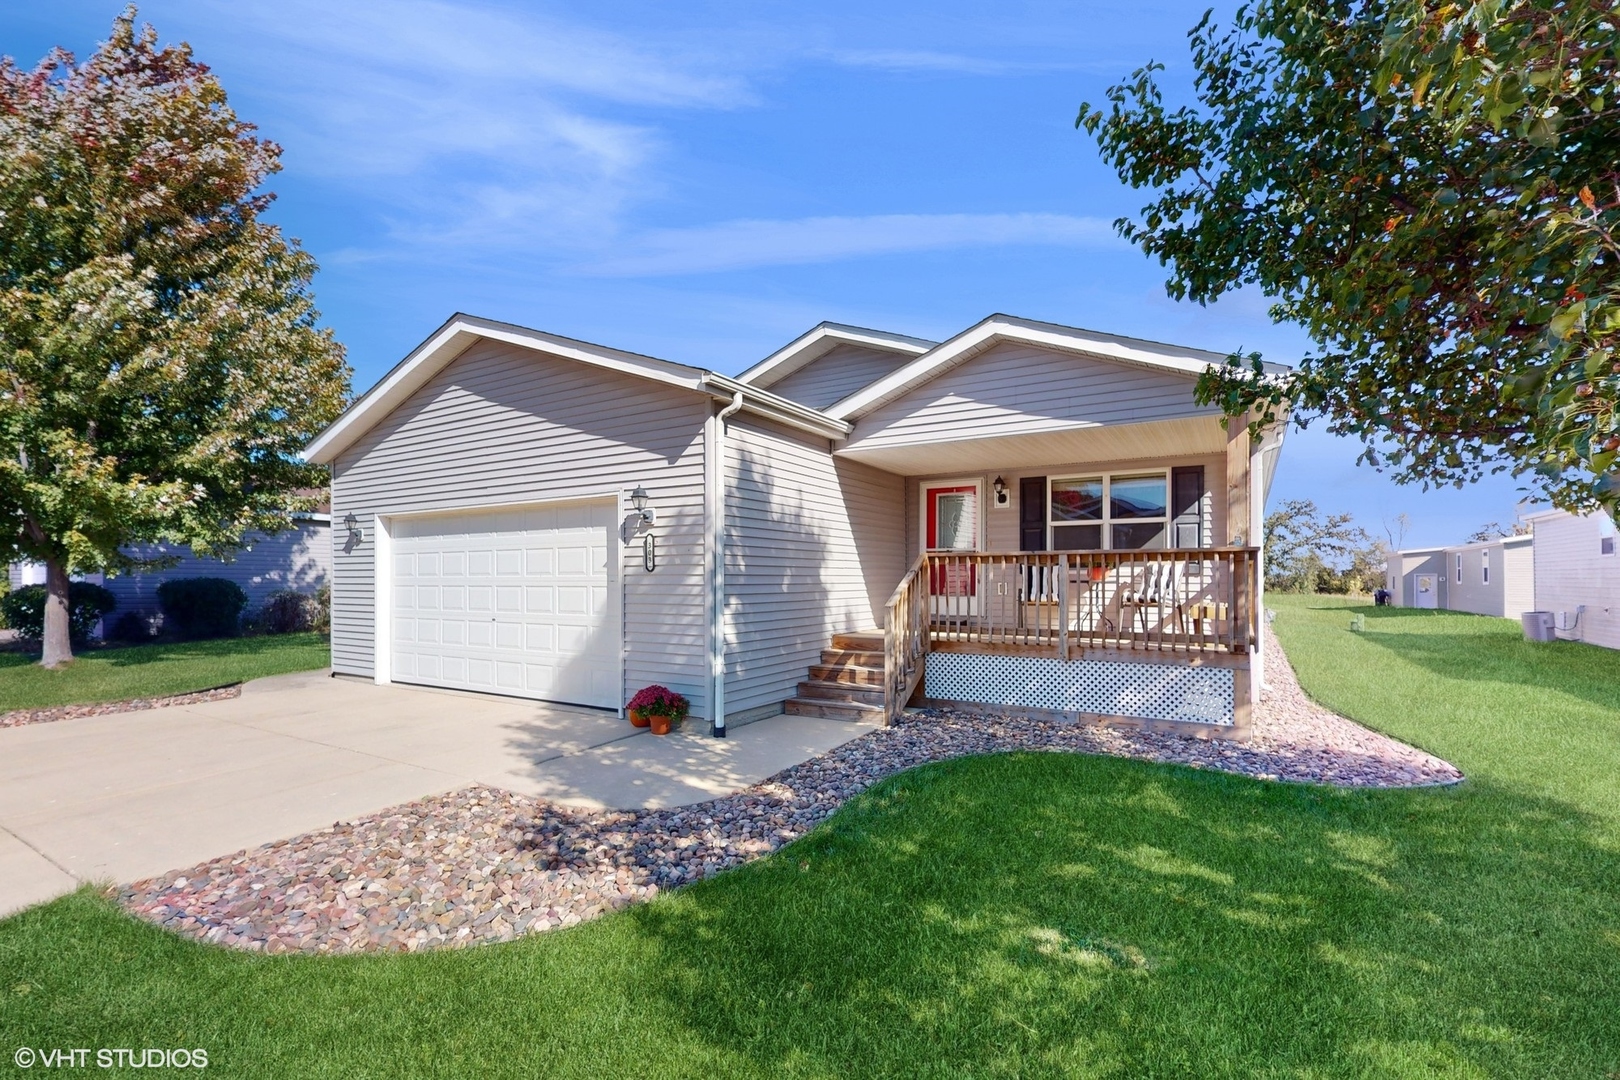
x=1238, y=483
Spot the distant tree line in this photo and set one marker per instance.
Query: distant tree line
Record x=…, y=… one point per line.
x=1308, y=551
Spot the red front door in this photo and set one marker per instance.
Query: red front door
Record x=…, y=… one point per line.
x=951, y=513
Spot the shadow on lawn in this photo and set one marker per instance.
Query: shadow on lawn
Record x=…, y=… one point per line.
x=1484, y=649
x=1029, y=914
x=1040, y=913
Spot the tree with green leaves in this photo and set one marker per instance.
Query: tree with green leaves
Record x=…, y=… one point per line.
x=160, y=363
x=1302, y=544
x=1431, y=188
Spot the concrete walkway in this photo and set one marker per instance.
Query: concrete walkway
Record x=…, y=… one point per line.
x=133, y=795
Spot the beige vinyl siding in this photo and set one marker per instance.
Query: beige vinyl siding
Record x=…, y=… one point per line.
x=504, y=425
x=1402, y=574
x=1519, y=582
x=1017, y=389
x=1571, y=571
x=1473, y=594
x=813, y=547
x=1510, y=591
x=1001, y=522
x=299, y=558
x=1001, y=532
x=838, y=373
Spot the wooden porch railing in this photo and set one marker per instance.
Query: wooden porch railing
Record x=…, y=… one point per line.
x=905, y=640
x=1059, y=603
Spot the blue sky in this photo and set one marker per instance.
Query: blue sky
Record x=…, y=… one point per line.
x=705, y=181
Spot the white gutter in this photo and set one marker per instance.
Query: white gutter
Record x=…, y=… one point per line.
x=775, y=407
x=714, y=512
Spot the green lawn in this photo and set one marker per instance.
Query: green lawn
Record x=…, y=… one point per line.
x=155, y=670
x=1022, y=915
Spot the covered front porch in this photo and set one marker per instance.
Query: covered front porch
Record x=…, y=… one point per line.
x=1146, y=637
x=1103, y=573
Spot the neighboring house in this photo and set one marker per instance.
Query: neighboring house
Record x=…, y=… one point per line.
x=1491, y=577
x=1026, y=515
x=1577, y=574
x=299, y=558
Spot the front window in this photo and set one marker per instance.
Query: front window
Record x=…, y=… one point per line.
x=1124, y=511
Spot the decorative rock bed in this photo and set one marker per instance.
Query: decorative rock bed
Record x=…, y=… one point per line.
x=19, y=717
x=481, y=864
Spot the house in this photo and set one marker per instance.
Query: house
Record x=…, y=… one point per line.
x=299, y=558
x=1577, y=574
x=1491, y=577
x=1026, y=515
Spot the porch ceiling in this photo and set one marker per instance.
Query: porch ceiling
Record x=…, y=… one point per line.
x=1060, y=446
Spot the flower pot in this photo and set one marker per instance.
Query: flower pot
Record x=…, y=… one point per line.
x=660, y=724
x=638, y=718
x=1097, y=573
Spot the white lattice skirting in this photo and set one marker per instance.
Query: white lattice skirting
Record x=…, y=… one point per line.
x=1200, y=695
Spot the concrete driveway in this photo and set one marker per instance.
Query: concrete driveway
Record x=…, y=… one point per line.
x=133, y=795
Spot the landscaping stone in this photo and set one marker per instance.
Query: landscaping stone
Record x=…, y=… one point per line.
x=19, y=717
x=482, y=864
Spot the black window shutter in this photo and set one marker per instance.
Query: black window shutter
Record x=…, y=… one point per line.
x=1032, y=513
x=1187, y=506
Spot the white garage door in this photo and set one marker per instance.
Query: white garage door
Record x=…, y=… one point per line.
x=514, y=602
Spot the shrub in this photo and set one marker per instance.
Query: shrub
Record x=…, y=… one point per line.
x=132, y=627
x=659, y=701
x=24, y=609
x=202, y=607
x=286, y=611
x=321, y=622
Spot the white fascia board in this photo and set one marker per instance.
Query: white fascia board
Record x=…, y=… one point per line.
x=774, y=407
x=454, y=338
x=998, y=328
x=821, y=340
x=1505, y=541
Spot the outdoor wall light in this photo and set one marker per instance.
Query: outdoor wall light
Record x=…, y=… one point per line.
x=352, y=525
x=649, y=518
x=1001, y=490
x=638, y=499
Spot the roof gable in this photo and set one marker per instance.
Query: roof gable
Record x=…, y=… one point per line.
x=461, y=331
x=822, y=339
x=998, y=329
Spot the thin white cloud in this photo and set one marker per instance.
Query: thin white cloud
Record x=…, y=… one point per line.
x=736, y=245
x=468, y=123
x=920, y=60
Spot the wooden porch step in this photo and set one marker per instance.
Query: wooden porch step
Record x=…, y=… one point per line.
x=849, y=674
x=860, y=641
x=837, y=691
x=852, y=657
x=852, y=711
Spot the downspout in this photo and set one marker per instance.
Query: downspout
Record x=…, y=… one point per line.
x=714, y=500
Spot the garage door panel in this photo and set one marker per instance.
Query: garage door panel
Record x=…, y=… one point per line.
x=517, y=602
